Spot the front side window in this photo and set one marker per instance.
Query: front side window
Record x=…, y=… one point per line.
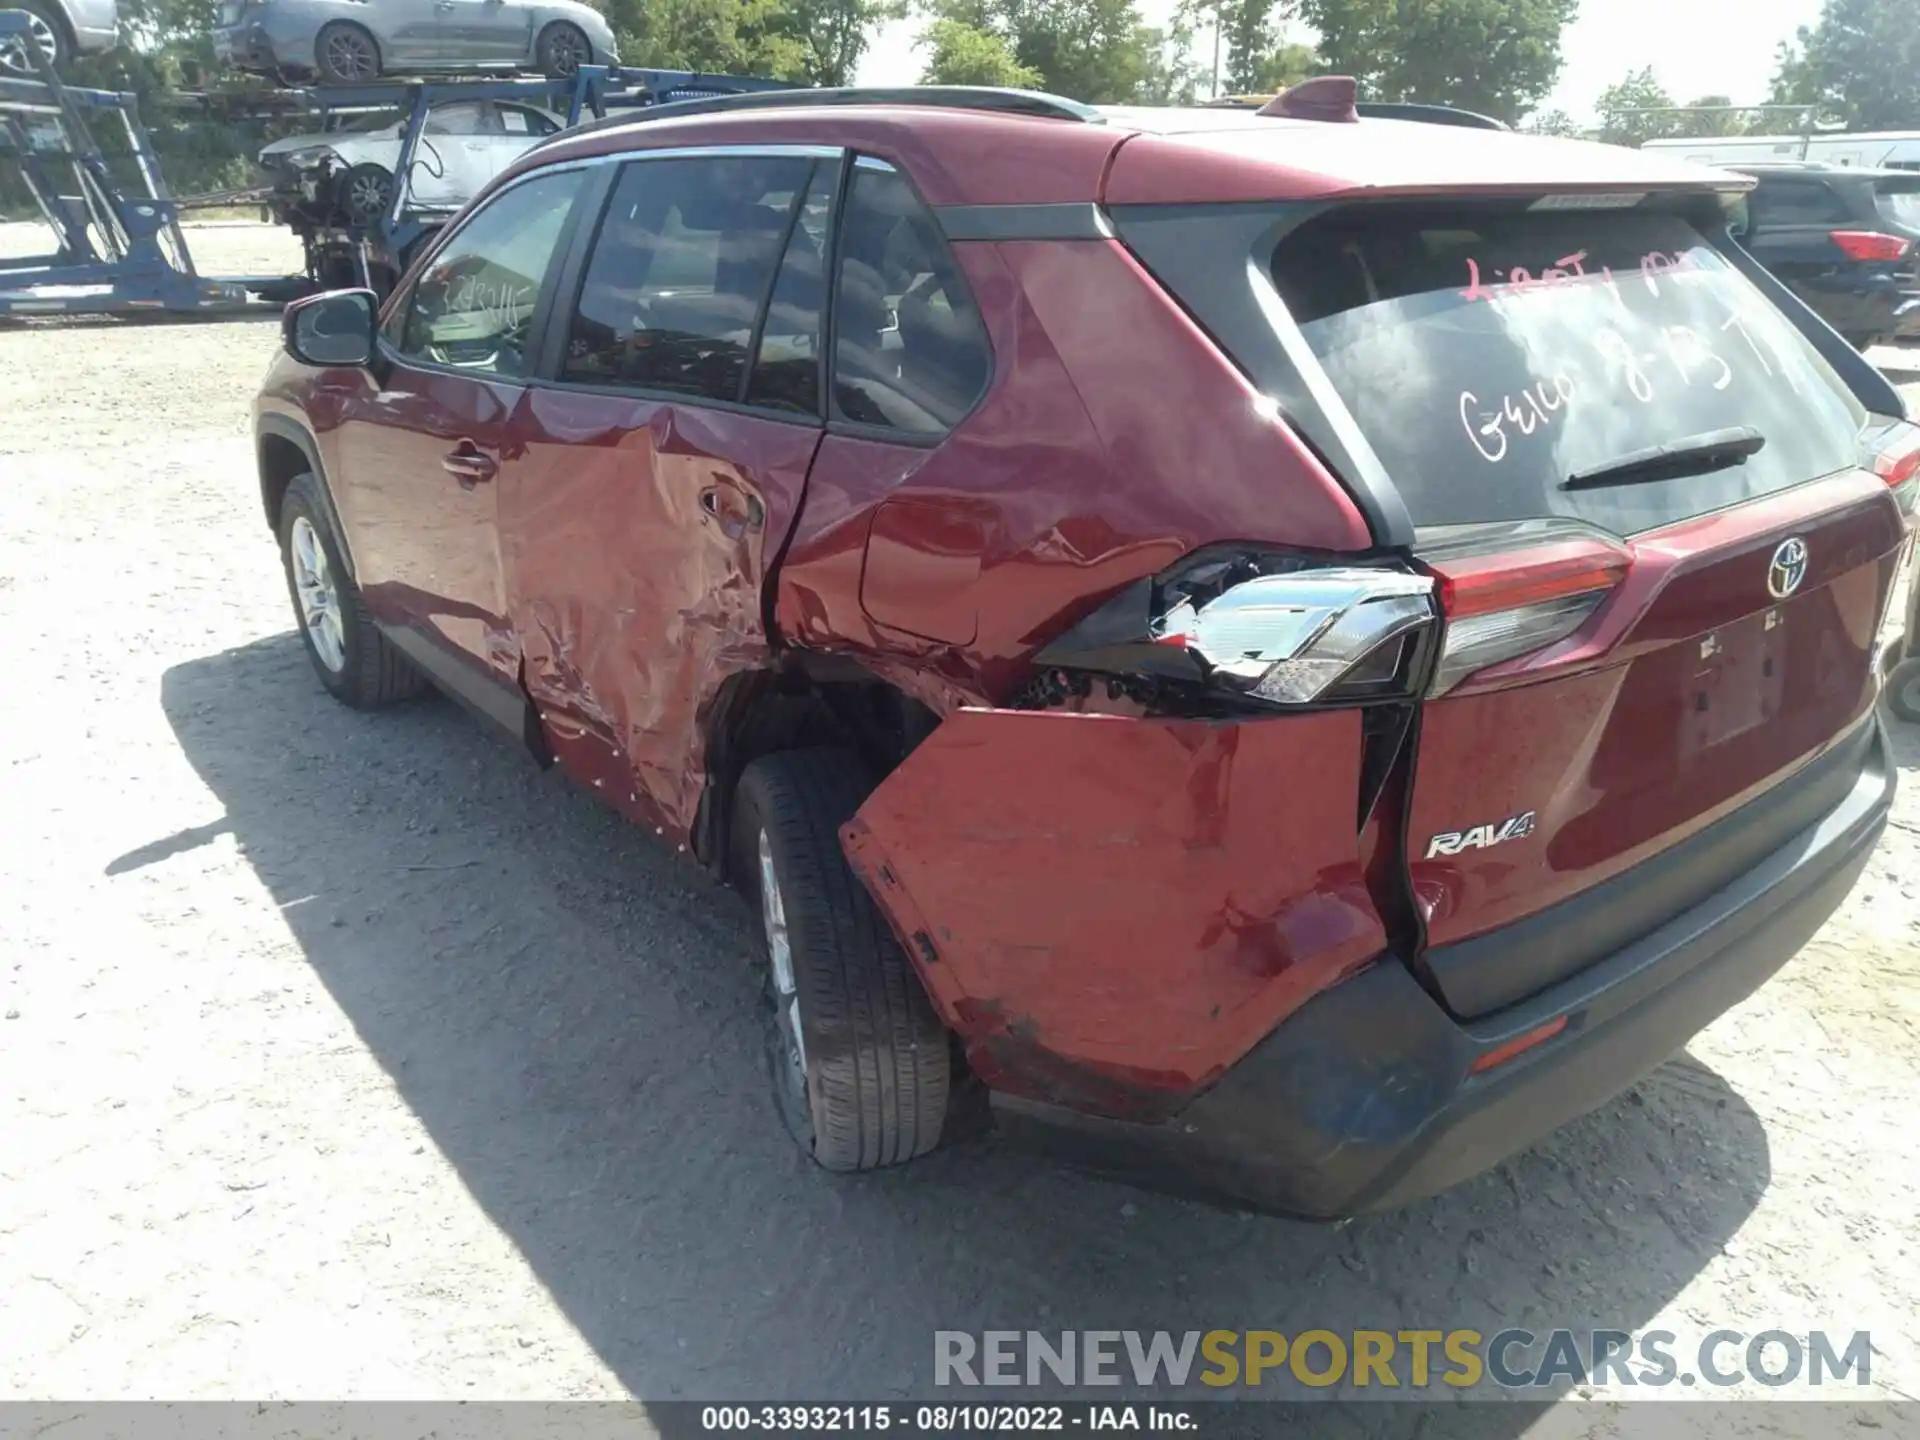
x=680, y=273
x=519, y=120
x=464, y=117
x=473, y=306
x=910, y=353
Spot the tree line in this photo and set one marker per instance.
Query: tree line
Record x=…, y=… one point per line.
x=1859, y=64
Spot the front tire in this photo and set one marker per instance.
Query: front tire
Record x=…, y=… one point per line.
x=562, y=50
x=365, y=192
x=345, y=54
x=355, y=662
x=861, y=1064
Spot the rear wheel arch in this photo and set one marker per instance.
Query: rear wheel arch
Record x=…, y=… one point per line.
x=809, y=701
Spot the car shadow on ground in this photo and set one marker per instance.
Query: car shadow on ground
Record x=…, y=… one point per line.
x=567, y=1008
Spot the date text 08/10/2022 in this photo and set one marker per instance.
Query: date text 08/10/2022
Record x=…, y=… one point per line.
x=945, y=1419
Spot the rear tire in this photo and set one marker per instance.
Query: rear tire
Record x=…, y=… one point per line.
x=355, y=662
x=561, y=50
x=861, y=1064
x=1903, y=690
x=345, y=54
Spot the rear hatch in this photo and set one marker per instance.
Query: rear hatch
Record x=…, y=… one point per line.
x=1660, y=551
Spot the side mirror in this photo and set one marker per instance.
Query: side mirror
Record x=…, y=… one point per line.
x=336, y=328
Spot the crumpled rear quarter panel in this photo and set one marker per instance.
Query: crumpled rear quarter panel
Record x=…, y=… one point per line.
x=1110, y=911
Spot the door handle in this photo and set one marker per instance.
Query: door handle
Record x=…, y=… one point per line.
x=467, y=464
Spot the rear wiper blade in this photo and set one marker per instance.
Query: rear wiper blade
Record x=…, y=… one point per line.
x=1696, y=455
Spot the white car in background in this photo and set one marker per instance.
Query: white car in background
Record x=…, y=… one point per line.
x=464, y=144
x=61, y=29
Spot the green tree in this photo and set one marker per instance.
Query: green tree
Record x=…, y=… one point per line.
x=1287, y=63
x=1551, y=122
x=959, y=54
x=1093, y=50
x=723, y=36
x=833, y=34
x=1711, y=119
x=1860, y=65
x=1499, y=57
x=1621, y=106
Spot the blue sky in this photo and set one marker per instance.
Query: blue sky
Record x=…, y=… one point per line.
x=1697, y=47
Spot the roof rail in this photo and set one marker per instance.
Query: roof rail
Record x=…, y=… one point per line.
x=950, y=97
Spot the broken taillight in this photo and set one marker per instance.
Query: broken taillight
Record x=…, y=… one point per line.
x=1508, y=590
x=1270, y=629
x=1306, y=636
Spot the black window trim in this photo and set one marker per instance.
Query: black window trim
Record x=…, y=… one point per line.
x=552, y=344
x=541, y=319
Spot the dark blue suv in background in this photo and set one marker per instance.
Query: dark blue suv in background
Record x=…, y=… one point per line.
x=1845, y=241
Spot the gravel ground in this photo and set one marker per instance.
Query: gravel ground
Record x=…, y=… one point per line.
x=348, y=1056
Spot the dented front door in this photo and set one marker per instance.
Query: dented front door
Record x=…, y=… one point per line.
x=635, y=535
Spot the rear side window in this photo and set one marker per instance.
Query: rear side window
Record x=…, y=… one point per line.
x=910, y=353
x=1490, y=355
x=680, y=272
x=473, y=305
x=1795, y=202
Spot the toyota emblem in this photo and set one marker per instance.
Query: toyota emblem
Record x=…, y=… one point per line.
x=1788, y=569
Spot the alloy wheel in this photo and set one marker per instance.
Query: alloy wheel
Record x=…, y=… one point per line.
x=319, y=596
x=15, y=59
x=350, y=56
x=566, y=53
x=367, y=195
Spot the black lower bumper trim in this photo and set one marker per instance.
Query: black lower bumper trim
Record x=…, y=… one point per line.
x=1366, y=1099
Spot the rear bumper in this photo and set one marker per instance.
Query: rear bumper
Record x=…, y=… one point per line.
x=1365, y=1098
x=1906, y=318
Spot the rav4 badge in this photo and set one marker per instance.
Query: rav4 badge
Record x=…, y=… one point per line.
x=1452, y=842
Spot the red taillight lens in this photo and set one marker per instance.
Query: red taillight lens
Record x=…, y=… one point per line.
x=1508, y=591
x=1504, y=580
x=1868, y=244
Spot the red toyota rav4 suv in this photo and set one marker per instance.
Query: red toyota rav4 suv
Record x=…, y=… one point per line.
x=1301, y=652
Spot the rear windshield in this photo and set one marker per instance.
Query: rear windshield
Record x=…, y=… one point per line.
x=1491, y=354
x=1900, y=202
